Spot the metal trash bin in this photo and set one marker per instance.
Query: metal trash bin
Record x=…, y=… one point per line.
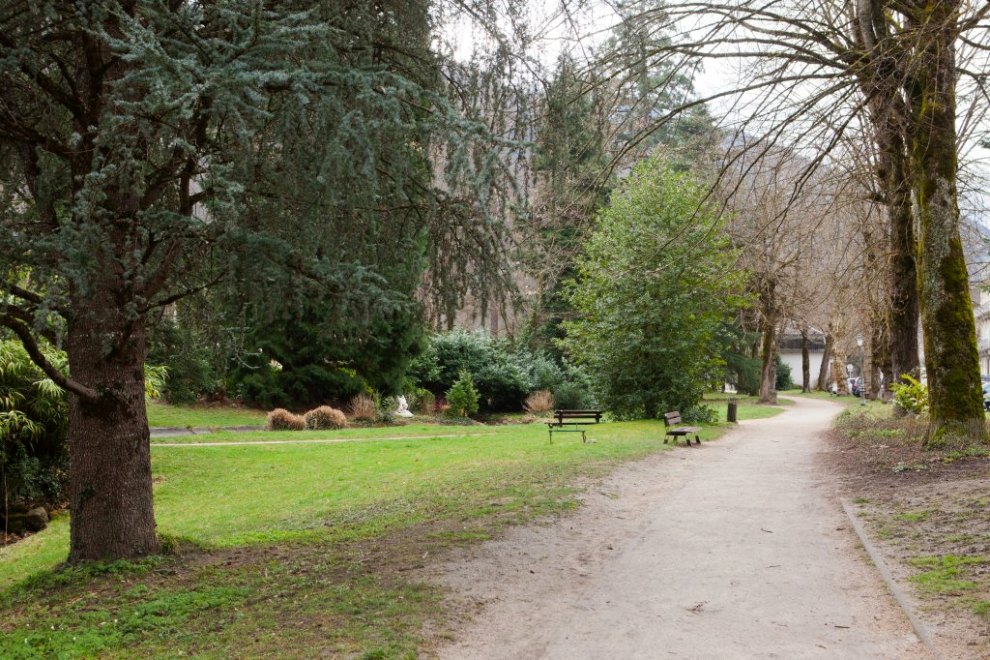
x=730, y=414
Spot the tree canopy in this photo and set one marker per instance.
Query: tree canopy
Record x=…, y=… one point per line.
x=655, y=282
x=151, y=150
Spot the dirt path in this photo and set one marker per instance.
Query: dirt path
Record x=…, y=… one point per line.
x=735, y=549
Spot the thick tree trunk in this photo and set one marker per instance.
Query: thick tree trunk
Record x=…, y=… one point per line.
x=895, y=178
x=823, y=370
x=768, y=373
x=839, y=374
x=110, y=489
x=805, y=362
x=951, y=355
x=880, y=378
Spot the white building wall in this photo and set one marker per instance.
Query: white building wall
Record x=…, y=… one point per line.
x=792, y=358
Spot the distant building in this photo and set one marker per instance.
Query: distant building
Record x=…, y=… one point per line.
x=789, y=346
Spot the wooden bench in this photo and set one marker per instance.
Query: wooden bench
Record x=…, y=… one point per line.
x=671, y=420
x=564, y=418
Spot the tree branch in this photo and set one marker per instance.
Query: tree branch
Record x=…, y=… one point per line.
x=34, y=351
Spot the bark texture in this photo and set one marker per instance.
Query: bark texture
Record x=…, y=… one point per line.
x=951, y=355
x=904, y=305
x=824, y=369
x=768, y=342
x=805, y=362
x=110, y=492
x=881, y=361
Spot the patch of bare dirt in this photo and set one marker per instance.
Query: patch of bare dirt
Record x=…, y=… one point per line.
x=929, y=513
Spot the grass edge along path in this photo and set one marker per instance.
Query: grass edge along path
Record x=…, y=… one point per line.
x=301, y=547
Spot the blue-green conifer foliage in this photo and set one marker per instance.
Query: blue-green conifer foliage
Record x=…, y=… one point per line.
x=151, y=149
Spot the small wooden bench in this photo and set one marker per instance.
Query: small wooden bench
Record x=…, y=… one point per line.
x=670, y=420
x=564, y=418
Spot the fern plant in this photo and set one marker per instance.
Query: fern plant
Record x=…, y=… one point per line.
x=33, y=425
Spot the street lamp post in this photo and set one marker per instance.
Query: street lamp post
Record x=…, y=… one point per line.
x=862, y=386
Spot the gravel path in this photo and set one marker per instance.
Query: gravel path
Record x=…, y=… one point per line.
x=735, y=549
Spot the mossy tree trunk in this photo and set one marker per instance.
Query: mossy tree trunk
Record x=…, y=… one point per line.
x=881, y=360
x=951, y=355
x=805, y=362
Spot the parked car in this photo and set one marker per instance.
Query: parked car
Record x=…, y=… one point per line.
x=856, y=386
x=986, y=396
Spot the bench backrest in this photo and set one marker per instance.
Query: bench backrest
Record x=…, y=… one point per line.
x=671, y=418
x=561, y=415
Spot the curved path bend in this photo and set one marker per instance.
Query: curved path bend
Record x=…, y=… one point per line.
x=735, y=549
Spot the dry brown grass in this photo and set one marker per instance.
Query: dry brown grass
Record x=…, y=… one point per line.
x=538, y=402
x=281, y=419
x=363, y=408
x=325, y=417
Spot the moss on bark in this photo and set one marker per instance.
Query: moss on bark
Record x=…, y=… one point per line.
x=951, y=355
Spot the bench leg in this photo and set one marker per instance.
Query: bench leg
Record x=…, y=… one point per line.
x=697, y=440
x=551, y=436
x=665, y=439
x=583, y=438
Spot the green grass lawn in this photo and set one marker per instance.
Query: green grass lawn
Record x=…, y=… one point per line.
x=302, y=548
x=748, y=408
x=164, y=414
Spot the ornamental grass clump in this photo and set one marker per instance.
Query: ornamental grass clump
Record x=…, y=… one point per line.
x=281, y=419
x=539, y=402
x=363, y=408
x=325, y=418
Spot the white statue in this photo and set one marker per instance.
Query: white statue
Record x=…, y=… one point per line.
x=403, y=410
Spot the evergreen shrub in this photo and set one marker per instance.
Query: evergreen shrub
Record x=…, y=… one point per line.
x=422, y=401
x=463, y=397
x=503, y=375
x=189, y=371
x=385, y=408
x=784, y=378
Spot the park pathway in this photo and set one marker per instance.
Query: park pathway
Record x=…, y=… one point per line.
x=735, y=549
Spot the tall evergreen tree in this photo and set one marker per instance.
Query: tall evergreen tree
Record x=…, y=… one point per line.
x=151, y=149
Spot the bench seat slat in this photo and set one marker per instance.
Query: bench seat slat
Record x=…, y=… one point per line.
x=674, y=417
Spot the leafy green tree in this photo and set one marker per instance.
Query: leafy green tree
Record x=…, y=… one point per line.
x=655, y=283
x=150, y=150
x=596, y=118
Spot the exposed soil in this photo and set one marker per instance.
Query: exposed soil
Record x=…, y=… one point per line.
x=928, y=513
